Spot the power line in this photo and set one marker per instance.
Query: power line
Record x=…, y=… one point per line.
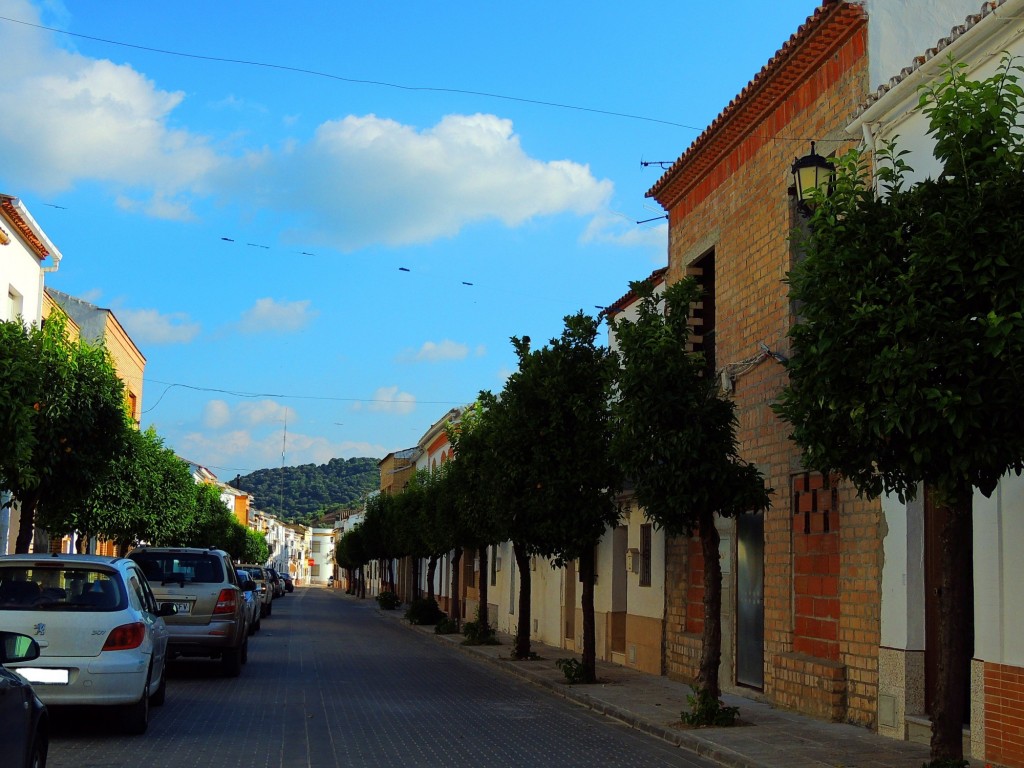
x=354, y=80
x=283, y=396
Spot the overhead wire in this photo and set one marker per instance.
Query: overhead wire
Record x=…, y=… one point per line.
x=382, y=83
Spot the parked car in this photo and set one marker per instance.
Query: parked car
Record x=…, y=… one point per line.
x=101, y=631
x=259, y=574
x=252, y=600
x=276, y=582
x=289, y=584
x=212, y=619
x=24, y=721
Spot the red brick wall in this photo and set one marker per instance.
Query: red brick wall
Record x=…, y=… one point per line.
x=815, y=567
x=1004, y=714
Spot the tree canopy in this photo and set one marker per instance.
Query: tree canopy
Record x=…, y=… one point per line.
x=908, y=355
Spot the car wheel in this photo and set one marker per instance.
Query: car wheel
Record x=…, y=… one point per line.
x=158, y=698
x=37, y=757
x=245, y=651
x=231, y=662
x=136, y=716
x=270, y=608
x=259, y=623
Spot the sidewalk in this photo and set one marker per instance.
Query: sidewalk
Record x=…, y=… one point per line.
x=768, y=738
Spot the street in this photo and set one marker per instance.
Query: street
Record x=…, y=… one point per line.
x=331, y=682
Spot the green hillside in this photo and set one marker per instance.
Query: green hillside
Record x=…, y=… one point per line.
x=304, y=492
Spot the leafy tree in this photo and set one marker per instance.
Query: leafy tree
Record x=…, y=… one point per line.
x=256, y=549
x=214, y=525
x=19, y=360
x=675, y=439
x=474, y=513
x=79, y=425
x=909, y=355
x=148, y=496
x=556, y=489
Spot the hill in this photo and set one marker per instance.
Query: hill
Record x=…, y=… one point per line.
x=308, y=490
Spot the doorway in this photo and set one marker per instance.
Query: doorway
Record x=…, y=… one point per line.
x=750, y=600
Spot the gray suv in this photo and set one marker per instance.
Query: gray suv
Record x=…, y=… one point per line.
x=212, y=620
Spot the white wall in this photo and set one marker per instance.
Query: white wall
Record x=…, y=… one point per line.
x=898, y=30
x=998, y=598
x=903, y=575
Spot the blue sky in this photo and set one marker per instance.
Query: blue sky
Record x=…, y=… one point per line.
x=326, y=242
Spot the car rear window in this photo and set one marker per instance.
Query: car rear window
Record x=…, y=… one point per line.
x=59, y=588
x=179, y=567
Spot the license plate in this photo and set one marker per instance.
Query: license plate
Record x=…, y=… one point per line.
x=39, y=676
x=184, y=607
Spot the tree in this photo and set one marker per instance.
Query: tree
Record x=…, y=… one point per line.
x=19, y=360
x=909, y=354
x=148, y=496
x=675, y=439
x=79, y=425
x=551, y=430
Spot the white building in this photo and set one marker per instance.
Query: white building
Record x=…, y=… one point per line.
x=26, y=256
x=980, y=42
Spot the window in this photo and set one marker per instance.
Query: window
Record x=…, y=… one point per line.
x=316, y=548
x=703, y=311
x=645, y=555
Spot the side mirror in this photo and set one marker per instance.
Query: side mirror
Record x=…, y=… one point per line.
x=15, y=647
x=249, y=585
x=167, y=609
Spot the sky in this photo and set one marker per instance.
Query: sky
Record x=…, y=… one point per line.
x=322, y=222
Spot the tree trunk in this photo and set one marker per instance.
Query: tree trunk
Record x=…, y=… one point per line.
x=431, y=570
x=27, y=526
x=482, y=611
x=522, y=649
x=711, y=638
x=456, y=607
x=362, y=581
x=587, y=577
x=956, y=584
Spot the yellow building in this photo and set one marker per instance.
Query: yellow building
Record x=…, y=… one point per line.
x=99, y=326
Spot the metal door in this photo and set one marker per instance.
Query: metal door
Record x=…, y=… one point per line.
x=750, y=600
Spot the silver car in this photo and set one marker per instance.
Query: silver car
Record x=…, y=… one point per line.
x=101, y=633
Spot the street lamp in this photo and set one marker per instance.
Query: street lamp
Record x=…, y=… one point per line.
x=810, y=172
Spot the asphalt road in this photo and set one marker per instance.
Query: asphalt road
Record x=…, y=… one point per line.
x=330, y=682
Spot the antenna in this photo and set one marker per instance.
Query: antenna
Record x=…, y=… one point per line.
x=284, y=443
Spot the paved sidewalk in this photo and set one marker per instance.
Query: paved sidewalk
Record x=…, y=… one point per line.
x=769, y=738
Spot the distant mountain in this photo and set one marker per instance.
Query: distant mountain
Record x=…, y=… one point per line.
x=308, y=490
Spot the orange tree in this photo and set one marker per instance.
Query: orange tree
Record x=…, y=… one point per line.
x=908, y=356
x=675, y=440
x=77, y=426
x=555, y=491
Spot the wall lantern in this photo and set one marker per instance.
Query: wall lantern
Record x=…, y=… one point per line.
x=810, y=172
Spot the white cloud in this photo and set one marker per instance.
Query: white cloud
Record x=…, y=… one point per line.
x=282, y=317
x=358, y=181
x=149, y=326
x=615, y=229
x=435, y=352
x=390, y=400
x=90, y=120
x=265, y=412
x=243, y=453
x=364, y=180
x=216, y=414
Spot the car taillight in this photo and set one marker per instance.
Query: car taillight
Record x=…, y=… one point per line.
x=226, y=602
x=125, y=637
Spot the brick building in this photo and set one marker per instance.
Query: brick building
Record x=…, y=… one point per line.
x=802, y=582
